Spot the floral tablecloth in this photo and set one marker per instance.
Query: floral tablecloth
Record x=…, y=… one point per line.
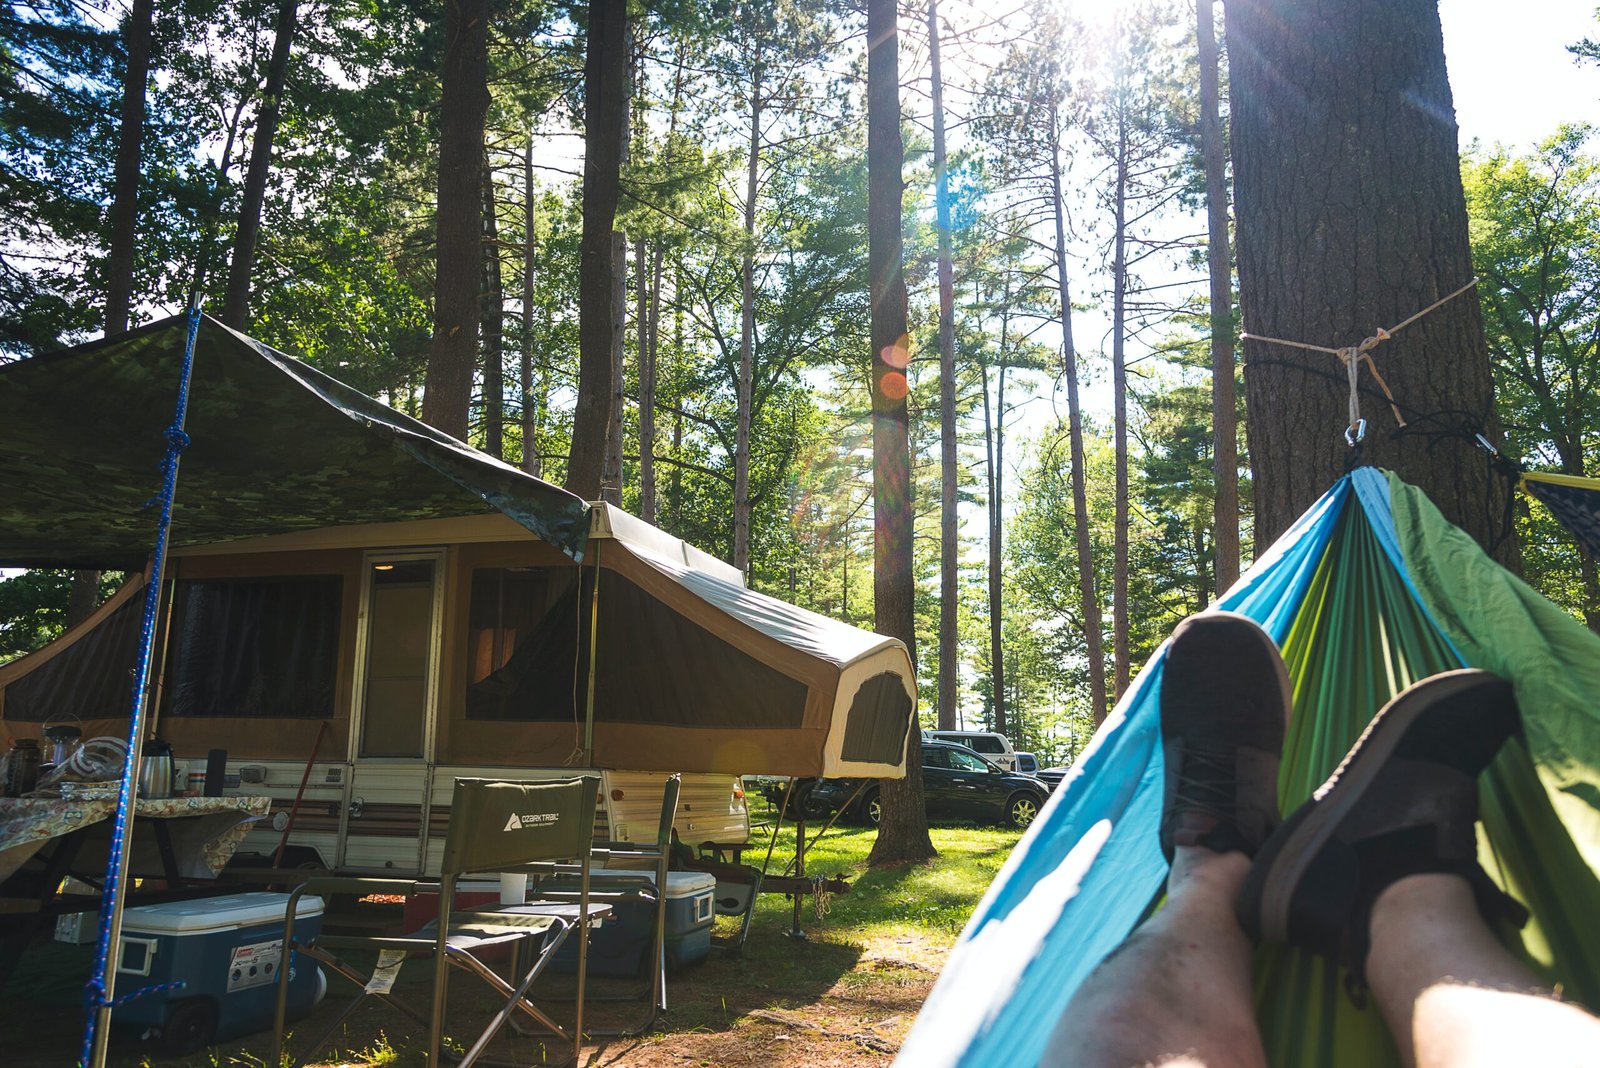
x=204, y=830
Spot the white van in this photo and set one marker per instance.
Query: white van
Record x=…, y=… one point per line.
x=992, y=746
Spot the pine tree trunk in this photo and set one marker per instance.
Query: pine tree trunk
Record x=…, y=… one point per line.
x=747, y=337
x=1351, y=217
x=1088, y=599
x=611, y=477
x=949, y=529
x=236, y=297
x=1224, y=404
x=997, y=528
x=647, y=395
x=991, y=510
x=641, y=327
x=647, y=360
x=447, y=391
x=1119, y=418
x=125, y=191
x=530, y=422
x=494, y=311
x=605, y=92
x=124, y=218
x=903, y=832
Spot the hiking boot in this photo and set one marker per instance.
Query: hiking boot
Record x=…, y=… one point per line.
x=1224, y=706
x=1403, y=802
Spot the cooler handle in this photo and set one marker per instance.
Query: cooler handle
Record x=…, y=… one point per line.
x=149, y=945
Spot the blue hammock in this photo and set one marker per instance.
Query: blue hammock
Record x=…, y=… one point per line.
x=1090, y=868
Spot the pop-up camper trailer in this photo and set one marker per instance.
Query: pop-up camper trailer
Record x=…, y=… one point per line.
x=348, y=580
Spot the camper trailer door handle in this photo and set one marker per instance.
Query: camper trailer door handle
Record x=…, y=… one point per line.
x=355, y=807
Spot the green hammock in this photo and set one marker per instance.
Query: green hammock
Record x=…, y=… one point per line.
x=1371, y=591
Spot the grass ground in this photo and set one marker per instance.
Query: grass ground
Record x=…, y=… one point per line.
x=846, y=995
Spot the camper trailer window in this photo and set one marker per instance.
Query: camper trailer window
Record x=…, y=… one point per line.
x=520, y=643
x=254, y=647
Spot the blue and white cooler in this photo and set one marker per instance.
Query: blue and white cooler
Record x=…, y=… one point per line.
x=226, y=951
x=621, y=944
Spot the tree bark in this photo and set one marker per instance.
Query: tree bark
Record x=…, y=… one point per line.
x=464, y=100
x=1224, y=403
x=611, y=477
x=531, y=461
x=647, y=360
x=124, y=218
x=647, y=395
x=949, y=529
x=125, y=190
x=493, y=314
x=1350, y=216
x=903, y=832
x=747, y=336
x=236, y=296
x=1088, y=599
x=1119, y=394
x=641, y=316
x=605, y=94
x=995, y=439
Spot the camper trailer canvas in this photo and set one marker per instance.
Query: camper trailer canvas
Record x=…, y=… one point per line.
x=348, y=582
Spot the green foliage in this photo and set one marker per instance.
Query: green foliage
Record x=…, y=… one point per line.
x=1535, y=227
x=58, y=79
x=33, y=608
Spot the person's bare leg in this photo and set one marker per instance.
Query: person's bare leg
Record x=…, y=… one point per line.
x=1453, y=997
x=1177, y=992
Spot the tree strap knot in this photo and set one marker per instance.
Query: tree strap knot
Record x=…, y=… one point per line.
x=176, y=439
x=1353, y=356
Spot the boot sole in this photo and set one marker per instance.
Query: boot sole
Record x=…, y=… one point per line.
x=1280, y=669
x=1280, y=672
x=1268, y=894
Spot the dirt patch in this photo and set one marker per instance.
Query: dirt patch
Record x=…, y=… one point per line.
x=839, y=998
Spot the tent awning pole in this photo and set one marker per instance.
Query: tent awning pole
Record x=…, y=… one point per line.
x=99, y=993
x=594, y=653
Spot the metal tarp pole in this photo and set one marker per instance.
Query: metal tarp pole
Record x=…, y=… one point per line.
x=594, y=655
x=99, y=993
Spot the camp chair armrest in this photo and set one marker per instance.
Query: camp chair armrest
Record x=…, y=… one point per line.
x=418, y=944
x=364, y=884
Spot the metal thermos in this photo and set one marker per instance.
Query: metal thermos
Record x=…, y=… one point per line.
x=155, y=771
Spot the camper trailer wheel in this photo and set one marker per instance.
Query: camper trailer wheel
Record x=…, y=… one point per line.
x=872, y=808
x=191, y=1025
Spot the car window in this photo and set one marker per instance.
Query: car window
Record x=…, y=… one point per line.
x=936, y=758
x=987, y=745
x=967, y=762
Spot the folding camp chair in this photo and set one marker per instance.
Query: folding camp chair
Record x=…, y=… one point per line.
x=609, y=886
x=614, y=887
x=495, y=826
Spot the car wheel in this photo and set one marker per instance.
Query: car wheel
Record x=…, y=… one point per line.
x=1022, y=809
x=872, y=808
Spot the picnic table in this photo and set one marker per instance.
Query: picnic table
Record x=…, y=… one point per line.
x=178, y=840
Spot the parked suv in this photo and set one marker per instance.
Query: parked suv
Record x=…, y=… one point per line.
x=956, y=784
x=987, y=744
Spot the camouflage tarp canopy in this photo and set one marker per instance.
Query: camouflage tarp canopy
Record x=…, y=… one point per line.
x=276, y=446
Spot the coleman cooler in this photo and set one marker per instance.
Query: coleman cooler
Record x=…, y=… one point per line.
x=226, y=951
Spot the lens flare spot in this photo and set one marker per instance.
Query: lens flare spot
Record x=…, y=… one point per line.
x=898, y=355
x=894, y=386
